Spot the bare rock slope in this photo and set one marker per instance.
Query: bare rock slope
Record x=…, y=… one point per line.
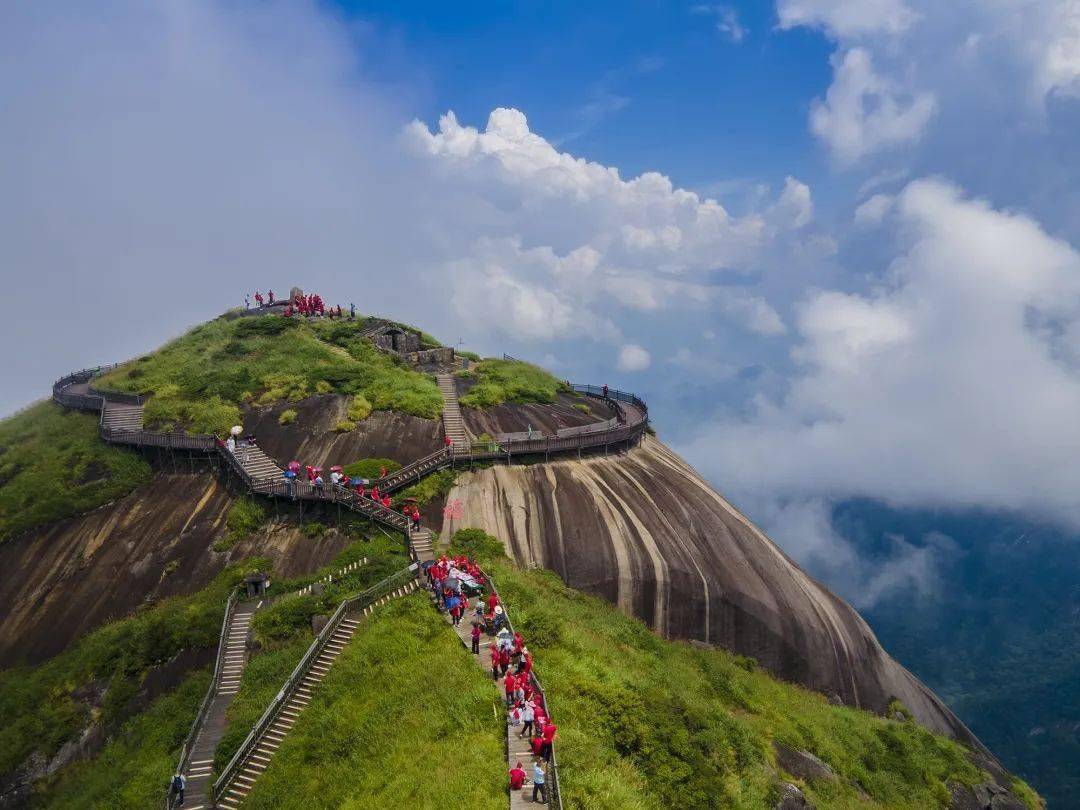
x=646, y=532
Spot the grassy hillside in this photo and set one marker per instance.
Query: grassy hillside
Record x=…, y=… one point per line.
x=500, y=381
x=200, y=380
x=99, y=677
x=53, y=466
x=403, y=719
x=647, y=723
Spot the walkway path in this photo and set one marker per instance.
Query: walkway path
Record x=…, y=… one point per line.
x=254, y=755
x=517, y=748
x=200, y=763
x=453, y=425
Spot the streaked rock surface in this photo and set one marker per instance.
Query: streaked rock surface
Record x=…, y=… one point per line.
x=646, y=532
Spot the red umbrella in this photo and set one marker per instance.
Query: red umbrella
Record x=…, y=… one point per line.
x=336, y=468
x=316, y=470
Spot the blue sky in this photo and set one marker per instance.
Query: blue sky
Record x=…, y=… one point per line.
x=636, y=85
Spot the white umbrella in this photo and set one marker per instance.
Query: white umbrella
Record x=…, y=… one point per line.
x=236, y=430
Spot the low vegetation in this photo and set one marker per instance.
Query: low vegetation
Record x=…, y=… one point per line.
x=511, y=381
x=53, y=466
x=370, y=467
x=429, y=488
x=98, y=677
x=133, y=770
x=644, y=722
x=404, y=718
x=286, y=417
x=246, y=515
x=200, y=380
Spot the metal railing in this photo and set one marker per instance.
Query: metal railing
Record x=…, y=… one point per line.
x=552, y=772
x=211, y=692
x=272, y=712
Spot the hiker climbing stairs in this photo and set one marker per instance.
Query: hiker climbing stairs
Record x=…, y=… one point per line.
x=200, y=762
x=122, y=418
x=453, y=425
x=294, y=697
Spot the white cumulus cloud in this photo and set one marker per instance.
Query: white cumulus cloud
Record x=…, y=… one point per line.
x=633, y=358
x=864, y=112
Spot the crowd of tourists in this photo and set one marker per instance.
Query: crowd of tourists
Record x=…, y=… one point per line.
x=304, y=306
x=340, y=481
x=458, y=586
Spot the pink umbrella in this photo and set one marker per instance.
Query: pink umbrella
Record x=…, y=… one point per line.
x=336, y=468
x=294, y=466
x=316, y=470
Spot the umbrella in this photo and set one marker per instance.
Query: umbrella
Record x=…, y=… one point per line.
x=290, y=474
x=294, y=466
x=336, y=468
x=316, y=470
x=236, y=430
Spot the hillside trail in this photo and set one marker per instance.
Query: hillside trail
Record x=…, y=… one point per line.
x=254, y=757
x=200, y=764
x=453, y=424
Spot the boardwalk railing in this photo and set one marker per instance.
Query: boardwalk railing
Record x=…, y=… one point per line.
x=300, y=672
x=211, y=691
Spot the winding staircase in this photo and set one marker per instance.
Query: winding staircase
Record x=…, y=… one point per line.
x=121, y=422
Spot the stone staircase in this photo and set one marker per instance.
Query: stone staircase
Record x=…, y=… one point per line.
x=120, y=418
x=422, y=545
x=453, y=425
x=200, y=763
x=270, y=740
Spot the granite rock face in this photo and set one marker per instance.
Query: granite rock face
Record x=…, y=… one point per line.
x=645, y=531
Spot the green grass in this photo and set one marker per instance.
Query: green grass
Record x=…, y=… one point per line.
x=246, y=515
x=511, y=381
x=200, y=380
x=404, y=718
x=53, y=466
x=44, y=706
x=648, y=723
x=370, y=467
x=133, y=770
x=427, y=489
x=283, y=630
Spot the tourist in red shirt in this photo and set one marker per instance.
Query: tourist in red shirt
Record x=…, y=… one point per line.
x=509, y=685
x=492, y=601
x=495, y=662
x=517, y=777
x=476, y=638
x=504, y=661
x=549, y=737
x=536, y=743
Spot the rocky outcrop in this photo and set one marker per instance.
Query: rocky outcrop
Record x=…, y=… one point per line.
x=644, y=531
x=314, y=439
x=76, y=574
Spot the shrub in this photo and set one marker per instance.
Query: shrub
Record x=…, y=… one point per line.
x=344, y=426
x=434, y=486
x=287, y=417
x=369, y=467
x=359, y=408
x=581, y=406
x=245, y=517
x=511, y=381
x=323, y=387
x=477, y=544
x=313, y=529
